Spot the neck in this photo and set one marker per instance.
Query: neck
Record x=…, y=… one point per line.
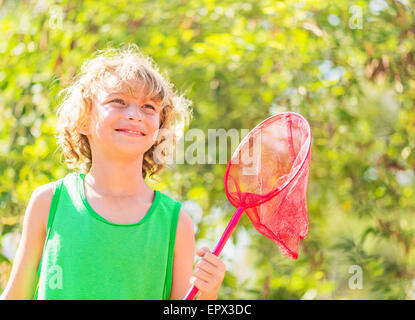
x=117, y=180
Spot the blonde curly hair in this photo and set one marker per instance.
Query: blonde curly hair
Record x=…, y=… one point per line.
x=127, y=69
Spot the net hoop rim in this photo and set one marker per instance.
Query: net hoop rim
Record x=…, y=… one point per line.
x=257, y=127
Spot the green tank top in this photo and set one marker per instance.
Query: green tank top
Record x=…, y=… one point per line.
x=88, y=257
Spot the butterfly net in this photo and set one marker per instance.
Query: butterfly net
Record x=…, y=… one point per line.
x=268, y=176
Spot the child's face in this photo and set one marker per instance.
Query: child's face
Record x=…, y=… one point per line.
x=112, y=111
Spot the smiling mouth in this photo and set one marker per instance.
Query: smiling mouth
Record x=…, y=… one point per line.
x=130, y=133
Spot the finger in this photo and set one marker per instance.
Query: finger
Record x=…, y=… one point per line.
x=201, y=252
x=206, y=266
x=203, y=275
x=200, y=284
x=213, y=259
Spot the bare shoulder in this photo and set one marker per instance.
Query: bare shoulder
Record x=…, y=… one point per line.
x=185, y=223
x=45, y=191
x=185, y=231
x=40, y=202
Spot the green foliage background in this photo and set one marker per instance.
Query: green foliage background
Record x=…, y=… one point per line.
x=347, y=66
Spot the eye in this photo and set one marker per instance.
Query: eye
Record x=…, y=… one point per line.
x=119, y=101
x=149, y=106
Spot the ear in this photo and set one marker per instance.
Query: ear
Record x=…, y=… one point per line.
x=83, y=128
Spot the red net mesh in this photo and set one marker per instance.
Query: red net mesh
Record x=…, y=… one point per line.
x=268, y=175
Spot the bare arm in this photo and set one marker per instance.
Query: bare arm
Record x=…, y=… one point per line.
x=23, y=278
x=210, y=270
x=184, y=251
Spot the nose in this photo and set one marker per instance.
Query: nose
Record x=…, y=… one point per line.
x=133, y=112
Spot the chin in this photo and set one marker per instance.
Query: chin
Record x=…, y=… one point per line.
x=129, y=150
